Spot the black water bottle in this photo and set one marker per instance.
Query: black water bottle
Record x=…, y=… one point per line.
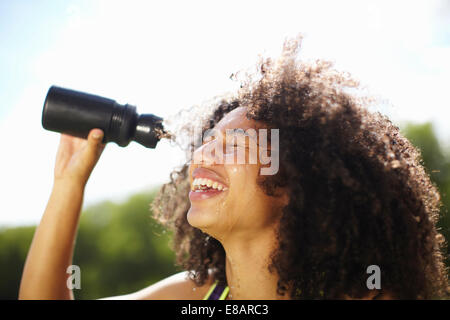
x=76, y=113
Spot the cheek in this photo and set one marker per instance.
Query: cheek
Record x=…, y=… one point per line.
x=248, y=207
x=243, y=186
x=242, y=177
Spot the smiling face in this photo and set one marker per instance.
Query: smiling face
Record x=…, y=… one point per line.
x=225, y=197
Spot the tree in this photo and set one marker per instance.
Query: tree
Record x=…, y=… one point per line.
x=119, y=249
x=437, y=163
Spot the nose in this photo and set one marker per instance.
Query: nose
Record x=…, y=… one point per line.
x=210, y=153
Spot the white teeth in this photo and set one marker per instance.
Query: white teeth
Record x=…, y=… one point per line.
x=200, y=183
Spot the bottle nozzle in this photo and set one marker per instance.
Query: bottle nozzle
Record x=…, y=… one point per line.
x=148, y=130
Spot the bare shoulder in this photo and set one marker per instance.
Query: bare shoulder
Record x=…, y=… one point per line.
x=175, y=287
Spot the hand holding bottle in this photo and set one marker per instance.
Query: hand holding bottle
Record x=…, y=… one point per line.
x=77, y=157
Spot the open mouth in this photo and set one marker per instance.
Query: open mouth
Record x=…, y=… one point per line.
x=206, y=184
x=203, y=188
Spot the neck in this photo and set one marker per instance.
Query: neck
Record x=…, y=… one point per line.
x=247, y=262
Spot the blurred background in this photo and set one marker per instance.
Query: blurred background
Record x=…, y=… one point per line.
x=167, y=56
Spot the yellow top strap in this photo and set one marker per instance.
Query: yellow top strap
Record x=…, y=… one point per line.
x=224, y=293
x=211, y=289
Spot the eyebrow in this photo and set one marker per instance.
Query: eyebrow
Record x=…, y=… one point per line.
x=241, y=133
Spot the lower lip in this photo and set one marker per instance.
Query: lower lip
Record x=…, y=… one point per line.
x=196, y=196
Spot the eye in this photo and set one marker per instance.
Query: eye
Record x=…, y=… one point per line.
x=237, y=145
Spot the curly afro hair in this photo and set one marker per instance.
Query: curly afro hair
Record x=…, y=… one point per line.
x=359, y=195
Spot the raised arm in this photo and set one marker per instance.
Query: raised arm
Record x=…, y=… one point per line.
x=44, y=275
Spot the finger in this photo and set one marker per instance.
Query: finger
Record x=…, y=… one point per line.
x=95, y=145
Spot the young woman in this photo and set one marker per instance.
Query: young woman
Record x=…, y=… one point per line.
x=349, y=193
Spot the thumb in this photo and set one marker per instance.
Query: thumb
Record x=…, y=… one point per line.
x=94, y=146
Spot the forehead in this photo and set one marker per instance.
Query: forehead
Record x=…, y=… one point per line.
x=237, y=119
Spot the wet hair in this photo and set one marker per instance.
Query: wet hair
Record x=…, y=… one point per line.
x=358, y=194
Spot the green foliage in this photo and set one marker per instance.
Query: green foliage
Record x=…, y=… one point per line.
x=121, y=249
x=14, y=245
x=437, y=162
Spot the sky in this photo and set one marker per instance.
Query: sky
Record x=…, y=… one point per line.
x=167, y=56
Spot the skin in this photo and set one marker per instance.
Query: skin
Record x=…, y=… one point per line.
x=243, y=218
x=244, y=211
x=44, y=275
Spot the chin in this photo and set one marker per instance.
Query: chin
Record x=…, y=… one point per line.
x=201, y=219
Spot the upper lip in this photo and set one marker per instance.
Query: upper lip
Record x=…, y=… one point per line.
x=201, y=172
